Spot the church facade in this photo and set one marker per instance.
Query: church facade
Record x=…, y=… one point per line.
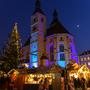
x=49, y=46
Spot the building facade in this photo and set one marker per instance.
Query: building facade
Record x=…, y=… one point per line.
x=85, y=59
x=52, y=45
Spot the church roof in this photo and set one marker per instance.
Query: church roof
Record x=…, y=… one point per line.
x=38, y=10
x=41, y=69
x=27, y=42
x=56, y=28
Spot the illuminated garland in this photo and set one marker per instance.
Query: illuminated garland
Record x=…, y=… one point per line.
x=49, y=71
x=49, y=54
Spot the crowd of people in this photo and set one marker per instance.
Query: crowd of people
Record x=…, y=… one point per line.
x=79, y=83
x=6, y=84
x=44, y=85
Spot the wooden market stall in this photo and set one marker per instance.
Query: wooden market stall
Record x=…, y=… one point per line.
x=28, y=79
x=79, y=71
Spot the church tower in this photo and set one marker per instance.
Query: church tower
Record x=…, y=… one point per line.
x=38, y=33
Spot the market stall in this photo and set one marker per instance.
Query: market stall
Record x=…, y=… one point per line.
x=34, y=75
x=79, y=71
x=29, y=78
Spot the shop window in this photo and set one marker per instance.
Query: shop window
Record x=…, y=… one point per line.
x=61, y=48
x=62, y=56
x=51, y=53
x=61, y=38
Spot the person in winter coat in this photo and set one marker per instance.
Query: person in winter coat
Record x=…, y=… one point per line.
x=6, y=85
x=46, y=84
x=83, y=83
x=41, y=86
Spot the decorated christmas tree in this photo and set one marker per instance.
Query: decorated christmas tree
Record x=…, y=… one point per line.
x=12, y=52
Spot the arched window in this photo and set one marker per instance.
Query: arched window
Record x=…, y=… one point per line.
x=51, y=53
x=61, y=48
x=62, y=56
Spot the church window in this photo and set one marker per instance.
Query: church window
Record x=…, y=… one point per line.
x=61, y=48
x=42, y=19
x=51, y=53
x=62, y=56
x=34, y=28
x=34, y=19
x=61, y=38
x=50, y=40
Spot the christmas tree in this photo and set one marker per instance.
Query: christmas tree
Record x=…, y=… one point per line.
x=12, y=53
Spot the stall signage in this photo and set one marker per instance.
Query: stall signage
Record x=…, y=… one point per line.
x=31, y=71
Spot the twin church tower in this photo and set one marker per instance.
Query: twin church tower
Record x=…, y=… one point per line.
x=48, y=46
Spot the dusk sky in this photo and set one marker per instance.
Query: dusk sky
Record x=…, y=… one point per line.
x=74, y=15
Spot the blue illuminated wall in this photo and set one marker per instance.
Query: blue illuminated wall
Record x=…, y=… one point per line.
x=34, y=46
x=61, y=63
x=34, y=60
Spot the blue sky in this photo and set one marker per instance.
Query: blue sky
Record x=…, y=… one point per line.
x=70, y=13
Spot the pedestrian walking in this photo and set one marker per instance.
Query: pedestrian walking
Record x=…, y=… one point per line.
x=83, y=83
x=6, y=85
x=41, y=85
x=46, y=84
x=75, y=83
